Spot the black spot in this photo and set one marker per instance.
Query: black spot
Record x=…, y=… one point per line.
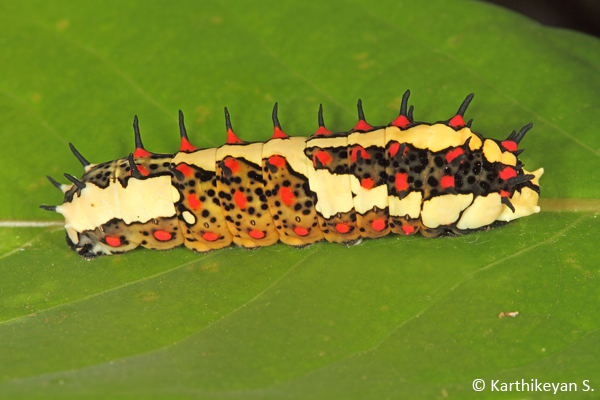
x=205, y=213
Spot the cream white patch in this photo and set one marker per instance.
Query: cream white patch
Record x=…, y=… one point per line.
x=444, y=210
x=204, y=158
x=188, y=217
x=251, y=152
x=433, y=137
x=410, y=205
x=175, y=196
x=292, y=149
x=73, y=235
x=333, y=192
x=94, y=207
x=483, y=211
x=508, y=158
x=525, y=203
x=145, y=199
x=491, y=151
x=365, y=199
x=368, y=139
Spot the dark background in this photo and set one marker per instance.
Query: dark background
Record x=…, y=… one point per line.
x=579, y=15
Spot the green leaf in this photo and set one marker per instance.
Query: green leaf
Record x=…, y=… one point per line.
x=390, y=318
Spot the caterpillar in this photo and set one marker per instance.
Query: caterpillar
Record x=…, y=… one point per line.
x=404, y=178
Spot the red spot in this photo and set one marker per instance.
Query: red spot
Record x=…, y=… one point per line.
x=211, y=237
x=453, y=154
x=141, y=153
x=342, y=228
x=447, y=181
x=401, y=122
x=113, y=241
x=367, y=183
x=186, y=146
x=162, y=236
x=378, y=224
x=257, y=234
x=507, y=173
x=142, y=170
x=362, y=126
x=394, y=148
x=509, y=145
x=401, y=183
x=286, y=195
x=185, y=169
x=279, y=134
x=322, y=131
x=457, y=122
x=240, y=199
x=232, y=164
x=408, y=229
x=323, y=157
x=363, y=153
x=194, y=202
x=231, y=138
x=300, y=231
x=504, y=193
x=277, y=161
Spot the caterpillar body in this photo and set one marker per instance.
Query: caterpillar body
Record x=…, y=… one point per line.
x=406, y=177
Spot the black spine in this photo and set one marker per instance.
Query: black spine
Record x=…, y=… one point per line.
x=404, y=104
x=49, y=208
x=321, y=121
x=56, y=184
x=136, y=131
x=77, y=154
x=463, y=107
x=522, y=133
x=75, y=181
x=361, y=114
x=227, y=120
x=275, y=119
x=182, y=130
x=508, y=204
x=520, y=179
